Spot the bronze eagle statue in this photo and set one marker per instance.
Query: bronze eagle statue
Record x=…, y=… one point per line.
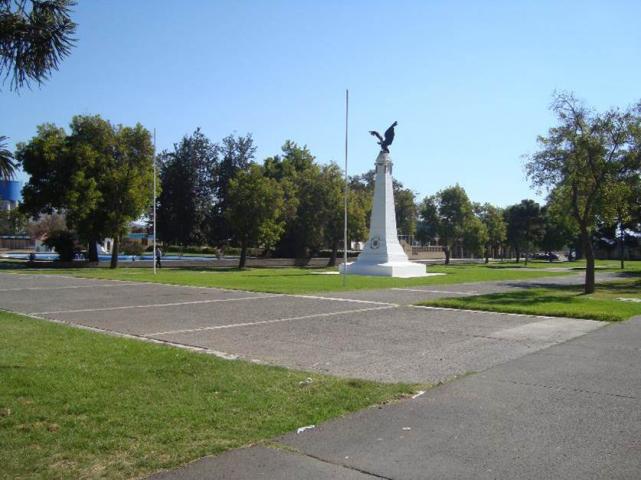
x=389, y=137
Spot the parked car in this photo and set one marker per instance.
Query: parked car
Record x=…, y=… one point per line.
x=545, y=256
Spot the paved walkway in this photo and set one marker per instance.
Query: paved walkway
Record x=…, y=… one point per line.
x=571, y=411
x=369, y=334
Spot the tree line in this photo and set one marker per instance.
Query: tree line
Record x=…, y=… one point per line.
x=289, y=204
x=217, y=193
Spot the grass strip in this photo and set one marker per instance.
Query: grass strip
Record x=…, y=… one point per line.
x=77, y=404
x=300, y=280
x=613, y=301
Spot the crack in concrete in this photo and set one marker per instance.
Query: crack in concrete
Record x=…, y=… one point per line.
x=296, y=451
x=556, y=387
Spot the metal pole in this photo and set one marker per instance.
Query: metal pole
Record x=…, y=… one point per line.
x=346, y=191
x=154, y=251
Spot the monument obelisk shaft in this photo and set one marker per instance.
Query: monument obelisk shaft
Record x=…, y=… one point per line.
x=383, y=254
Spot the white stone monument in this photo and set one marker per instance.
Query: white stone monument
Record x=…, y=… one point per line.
x=383, y=254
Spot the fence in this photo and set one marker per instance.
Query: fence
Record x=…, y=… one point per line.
x=16, y=242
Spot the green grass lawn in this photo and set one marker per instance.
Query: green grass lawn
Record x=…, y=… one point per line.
x=76, y=404
x=604, y=304
x=298, y=280
x=601, y=265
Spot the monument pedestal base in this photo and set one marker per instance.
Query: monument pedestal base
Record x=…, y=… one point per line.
x=389, y=269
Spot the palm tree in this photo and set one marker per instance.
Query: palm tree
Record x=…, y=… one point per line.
x=7, y=165
x=34, y=38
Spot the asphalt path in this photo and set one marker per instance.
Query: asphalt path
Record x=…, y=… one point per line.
x=374, y=335
x=571, y=411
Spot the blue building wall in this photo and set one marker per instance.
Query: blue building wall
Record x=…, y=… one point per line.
x=10, y=190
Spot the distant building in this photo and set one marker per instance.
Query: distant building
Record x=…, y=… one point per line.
x=10, y=194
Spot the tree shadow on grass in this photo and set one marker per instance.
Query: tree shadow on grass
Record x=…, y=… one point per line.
x=530, y=265
x=523, y=298
x=619, y=288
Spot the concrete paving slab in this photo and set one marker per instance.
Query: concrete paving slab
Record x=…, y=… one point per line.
x=488, y=426
x=589, y=365
x=390, y=344
x=110, y=295
x=477, y=428
x=261, y=463
x=626, y=336
x=166, y=318
x=13, y=281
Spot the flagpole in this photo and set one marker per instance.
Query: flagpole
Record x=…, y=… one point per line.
x=153, y=257
x=346, y=191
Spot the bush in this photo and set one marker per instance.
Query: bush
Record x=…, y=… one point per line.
x=131, y=247
x=63, y=242
x=190, y=249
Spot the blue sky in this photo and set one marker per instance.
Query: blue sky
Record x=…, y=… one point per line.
x=469, y=82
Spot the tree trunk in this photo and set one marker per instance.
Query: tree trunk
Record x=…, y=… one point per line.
x=332, y=258
x=588, y=251
x=487, y=255
x=114, y=252
x=621, y=245
x=243, y=255
x=446, y=250
x=517, y=252
x=93, y=250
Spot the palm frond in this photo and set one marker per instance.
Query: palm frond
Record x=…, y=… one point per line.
x=34, y=42
x=7, y=164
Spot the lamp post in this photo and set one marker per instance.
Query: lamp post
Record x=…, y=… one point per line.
x=153, y=259
x=346, y=192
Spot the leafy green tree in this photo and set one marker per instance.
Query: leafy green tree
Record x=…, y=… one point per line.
x=492, y=218
x=126, y=189
x=581, y=158
x=62, y=176
x=7, y=164
x=235, y=153
x=255, y=210
x=359, y=207
x=524, y=227
x=428, y=222
x=406, y=211
x=13, y=222
x=475, y=236
x=63, y=242
x=621, y=203
x=34, y=38
x=453, y=214
x=293, y=161
x=100, y=176
x=188, y=182
x=299, y=176
x=332, y=208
